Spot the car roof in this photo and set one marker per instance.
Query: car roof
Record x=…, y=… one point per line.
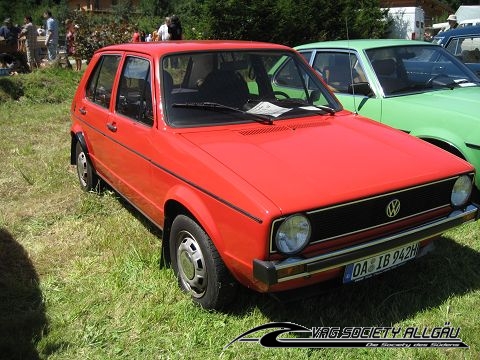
x=166, y=47
x=466, y=30
x=361, y=44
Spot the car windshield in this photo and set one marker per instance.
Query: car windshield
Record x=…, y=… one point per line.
x=407, y=69
x=225, y=87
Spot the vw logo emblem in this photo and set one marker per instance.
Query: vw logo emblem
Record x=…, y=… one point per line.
x=393, y=208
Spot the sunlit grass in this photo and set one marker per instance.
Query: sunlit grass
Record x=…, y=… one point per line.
x=80, y=275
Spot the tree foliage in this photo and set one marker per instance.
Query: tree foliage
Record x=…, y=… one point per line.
x=285, y=21
x=94, y=32
x=289, y=22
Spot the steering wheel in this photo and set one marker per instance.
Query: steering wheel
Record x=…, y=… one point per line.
x=281, y=93
x=430, y=81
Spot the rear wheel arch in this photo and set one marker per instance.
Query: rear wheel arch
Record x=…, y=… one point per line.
x=77, y=137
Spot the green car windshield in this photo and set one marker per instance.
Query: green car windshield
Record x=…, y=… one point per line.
x=406, y=69
x=225, y=87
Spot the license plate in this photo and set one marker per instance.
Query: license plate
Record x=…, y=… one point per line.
x=379, y=263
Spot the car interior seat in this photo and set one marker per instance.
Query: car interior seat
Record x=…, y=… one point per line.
x=387, y=73
x=338, y=73
x=167, y=82
x=226, y=87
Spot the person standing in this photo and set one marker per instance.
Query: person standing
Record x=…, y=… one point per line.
x=29, y=32
x=136, y=36
x=70, y=39
x=163, y=30
x=452, y=22
x=51, y=40
x=175, y=28
x=10, y=34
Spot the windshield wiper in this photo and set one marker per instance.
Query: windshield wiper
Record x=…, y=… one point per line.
x=324, y=108
x=263, y=119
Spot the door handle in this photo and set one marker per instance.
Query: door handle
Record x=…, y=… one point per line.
x=82, y=111
x=112, y=127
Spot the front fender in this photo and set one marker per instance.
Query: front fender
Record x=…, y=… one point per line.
x=195, y=203
x=444, y=136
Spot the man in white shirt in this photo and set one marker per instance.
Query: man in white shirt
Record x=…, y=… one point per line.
x=163, y=30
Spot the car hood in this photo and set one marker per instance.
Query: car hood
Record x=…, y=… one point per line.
x=459, y=105
x=463, y=102
x=323, y=160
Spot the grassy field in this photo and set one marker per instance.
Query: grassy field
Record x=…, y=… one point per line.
x=80, y=275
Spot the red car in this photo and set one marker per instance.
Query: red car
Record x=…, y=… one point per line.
x=271, y=189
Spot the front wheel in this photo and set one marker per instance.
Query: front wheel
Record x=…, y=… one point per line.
x=199, y=269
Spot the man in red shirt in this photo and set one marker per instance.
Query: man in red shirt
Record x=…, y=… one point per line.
x=136, y=36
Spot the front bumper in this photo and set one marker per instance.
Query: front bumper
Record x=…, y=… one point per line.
x=274, y=272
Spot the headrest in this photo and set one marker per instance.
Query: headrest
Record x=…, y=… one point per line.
x=384, y=67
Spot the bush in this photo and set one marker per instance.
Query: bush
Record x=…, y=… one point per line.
x=95, y=32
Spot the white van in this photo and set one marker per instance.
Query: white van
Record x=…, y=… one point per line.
x=469, y=22
x=407, y=23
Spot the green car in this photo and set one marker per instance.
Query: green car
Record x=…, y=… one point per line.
x=417, y=87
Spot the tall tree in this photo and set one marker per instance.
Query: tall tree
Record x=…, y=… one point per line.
x=290, y=22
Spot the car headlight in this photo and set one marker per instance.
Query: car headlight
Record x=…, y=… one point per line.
x=461, y=191
x=293, y=234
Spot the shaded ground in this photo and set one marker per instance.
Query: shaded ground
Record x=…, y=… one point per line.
x=22, y=310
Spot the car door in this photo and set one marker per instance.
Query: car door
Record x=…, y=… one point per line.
x=466, y=48
x=341, y=68
x=131, y=130
x=95, y=110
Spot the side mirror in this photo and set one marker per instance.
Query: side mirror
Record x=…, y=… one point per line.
x=314, y=96
x=361, y=88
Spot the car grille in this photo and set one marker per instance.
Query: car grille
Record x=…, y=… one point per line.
x=364, y=214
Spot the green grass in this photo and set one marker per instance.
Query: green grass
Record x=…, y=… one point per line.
x=80, y=275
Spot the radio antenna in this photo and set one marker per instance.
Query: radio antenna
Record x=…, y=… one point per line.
x=351, y=69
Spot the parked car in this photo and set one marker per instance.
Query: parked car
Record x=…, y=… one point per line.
x=252, y=186
x=417, y=87
x=464, y=43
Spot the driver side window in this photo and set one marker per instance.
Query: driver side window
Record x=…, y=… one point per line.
x=339, y=70
x=134, y=98
x=288, y=76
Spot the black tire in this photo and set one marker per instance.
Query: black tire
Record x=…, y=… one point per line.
x=199, y=269
x=86, y=173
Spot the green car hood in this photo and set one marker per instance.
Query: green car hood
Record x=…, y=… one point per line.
x=455, y=111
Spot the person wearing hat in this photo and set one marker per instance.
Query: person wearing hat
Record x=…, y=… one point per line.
x=10, y=34
x=452, y=22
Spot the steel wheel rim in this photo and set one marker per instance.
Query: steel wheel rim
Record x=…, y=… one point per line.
x=191, y=265
x=82, y=168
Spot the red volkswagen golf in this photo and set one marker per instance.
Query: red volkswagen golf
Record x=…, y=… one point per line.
x=257, y=181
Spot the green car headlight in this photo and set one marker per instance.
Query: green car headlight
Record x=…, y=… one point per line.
x=461, y=191
x=293, y=234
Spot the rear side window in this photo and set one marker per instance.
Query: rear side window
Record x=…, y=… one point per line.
x=466, y=49
x=134, y=98
x=100, y=84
